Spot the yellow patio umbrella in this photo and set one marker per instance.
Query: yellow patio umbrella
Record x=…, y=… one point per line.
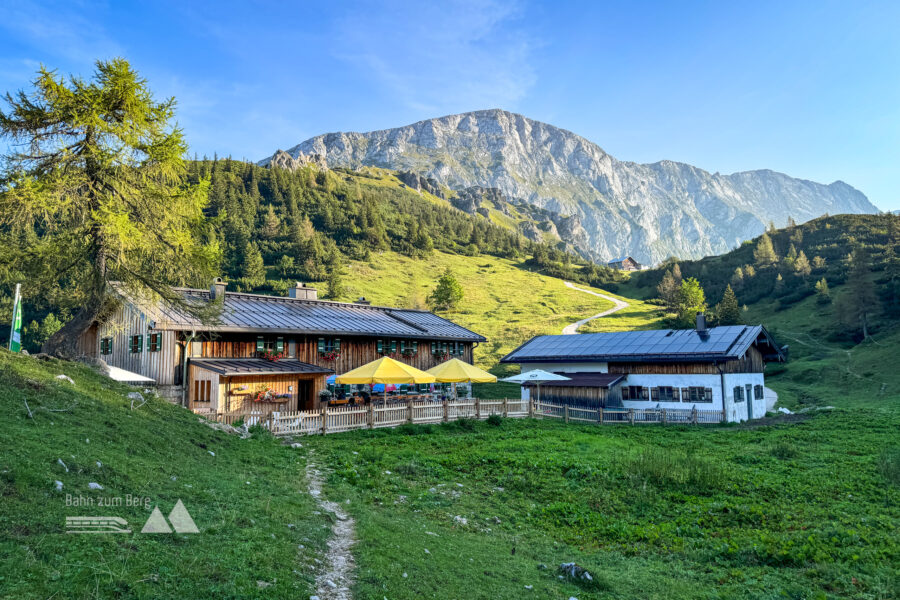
x=385, y=370
x=458, y=371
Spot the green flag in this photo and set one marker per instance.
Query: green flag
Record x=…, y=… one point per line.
x=15, y=336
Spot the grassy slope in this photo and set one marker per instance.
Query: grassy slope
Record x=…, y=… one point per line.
x=503, y=302
x=796, y=510
x=242, y=499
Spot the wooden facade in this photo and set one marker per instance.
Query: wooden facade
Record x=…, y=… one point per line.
x=752, y=362
x=127, y=339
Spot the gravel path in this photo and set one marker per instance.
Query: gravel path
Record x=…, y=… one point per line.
x=619, y=305
x=336, y=578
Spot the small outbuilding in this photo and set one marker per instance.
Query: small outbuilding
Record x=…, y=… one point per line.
x=625, y=263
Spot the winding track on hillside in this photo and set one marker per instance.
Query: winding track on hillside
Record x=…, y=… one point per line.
x=619, y=305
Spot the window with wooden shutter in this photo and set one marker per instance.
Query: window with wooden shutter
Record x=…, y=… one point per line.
x=379, y=346
x=738, y=393
x=279, y=345
x=758, y=392
x=260, y=344
x=321, y=346
x=337, y=344
x=654, y=394
x=676, y=396
x=415, y=347
x=137, y=343
x=153, y=342
x=393, y=346
x=106, y=346
x=685, y=394
x=434, y=347
x=707, y=395
x=645, y=394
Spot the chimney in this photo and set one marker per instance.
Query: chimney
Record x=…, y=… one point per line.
x=301, y=292
x=217, y=289
x=362, y=300
x=701, y=325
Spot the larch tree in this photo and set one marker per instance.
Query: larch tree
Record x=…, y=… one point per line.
x=447, y=294
x=764, y=253
x=691, y=300
x=95, y=174
x=861, y=299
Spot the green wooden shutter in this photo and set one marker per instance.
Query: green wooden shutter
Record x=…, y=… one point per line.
x=337, y=344
x=321, y=346
x=140, y=343
x=415, y=347
x=434, y=347
x=393, y=346
x=260, y=344
x=379, y=346
x=279, y=345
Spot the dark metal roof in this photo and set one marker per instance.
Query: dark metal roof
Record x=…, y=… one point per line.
x=603, y=380
x=260, y=313
x=662, y=345
x=257, y=366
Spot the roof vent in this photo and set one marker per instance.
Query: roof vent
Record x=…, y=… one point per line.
x=702, y=331
x=362, y=300
x=301, y=292
x=217, y=289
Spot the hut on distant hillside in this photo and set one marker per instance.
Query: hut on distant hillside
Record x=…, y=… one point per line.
x=625, y=263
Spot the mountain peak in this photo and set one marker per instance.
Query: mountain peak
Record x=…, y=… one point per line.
x=647, y=211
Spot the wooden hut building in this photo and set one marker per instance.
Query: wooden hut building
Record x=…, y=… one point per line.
x=718, y=368
x=273, y=351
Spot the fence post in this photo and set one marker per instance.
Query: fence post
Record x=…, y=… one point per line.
x=505, y=407
x=446, y=410
x=409, y=411
x=694, y=415
x=530, y=407
x=566, y=413
x=324, y=420
x=601, y=415
x=477, y=408
x=631, y=416
x=664, y=420
x=371, y=411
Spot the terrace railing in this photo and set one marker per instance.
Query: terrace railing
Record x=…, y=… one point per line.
x=347, y=418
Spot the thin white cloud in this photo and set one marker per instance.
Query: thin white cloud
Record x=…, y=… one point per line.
x=440, y=57
x=62, y=31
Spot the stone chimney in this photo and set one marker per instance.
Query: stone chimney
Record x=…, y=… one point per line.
x=301, y=292
x=701, y=325
x=217, y=289
x=362, y=300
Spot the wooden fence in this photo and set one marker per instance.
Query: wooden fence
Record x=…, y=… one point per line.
x=347, y=418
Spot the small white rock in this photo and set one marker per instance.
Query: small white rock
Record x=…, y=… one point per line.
x=211, y=453
x=529, y=587
x=58, y=485
x=330, y=583
x=426, y=551
x=405, y=575
x=95, y=486
x=387, y=472
x=174, y=478
x=65, y=378
x=296, y=445
x=99, y=465
x=59, y=460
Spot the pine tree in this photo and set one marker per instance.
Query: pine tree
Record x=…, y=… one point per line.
x=728, y=311
x=335, y=279
x=253, y=268
x=668, y=291
x=818, y=263
x=764, y=253
x=823, y=294
x=860, y=300
x=801, y=265
x=891, y=294
x=790, y=258
x=101, y=173
x=285, y=264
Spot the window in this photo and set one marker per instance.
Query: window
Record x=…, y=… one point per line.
x=106, y=346
x=635, y=392
x=202, y=390
x=270, y=345
x=328, y=345
x=137, y=344
x=696, y=394
x=759, y=392
x=409, y=347
x=738, y=393
x=154, y=342
x=666, y=394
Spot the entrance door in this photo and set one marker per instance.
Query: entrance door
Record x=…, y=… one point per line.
x=304, y=395
x=749, y=390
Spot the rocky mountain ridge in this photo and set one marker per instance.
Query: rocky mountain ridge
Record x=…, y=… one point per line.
x=601, y=206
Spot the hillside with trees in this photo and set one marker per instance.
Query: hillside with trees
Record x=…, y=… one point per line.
x=852, y=254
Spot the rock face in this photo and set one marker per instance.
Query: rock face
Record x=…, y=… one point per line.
x=647, y=211
x=283, y=160
x=419, y=183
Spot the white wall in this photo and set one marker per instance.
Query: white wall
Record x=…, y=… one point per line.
x=738, y=411
x=679, y=381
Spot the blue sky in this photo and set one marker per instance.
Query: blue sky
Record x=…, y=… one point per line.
x=811, y=89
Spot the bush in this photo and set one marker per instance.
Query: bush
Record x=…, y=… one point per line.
x=495, y=420
x=783, y=451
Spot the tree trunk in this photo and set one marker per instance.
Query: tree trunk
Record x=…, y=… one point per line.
x=64, y=343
